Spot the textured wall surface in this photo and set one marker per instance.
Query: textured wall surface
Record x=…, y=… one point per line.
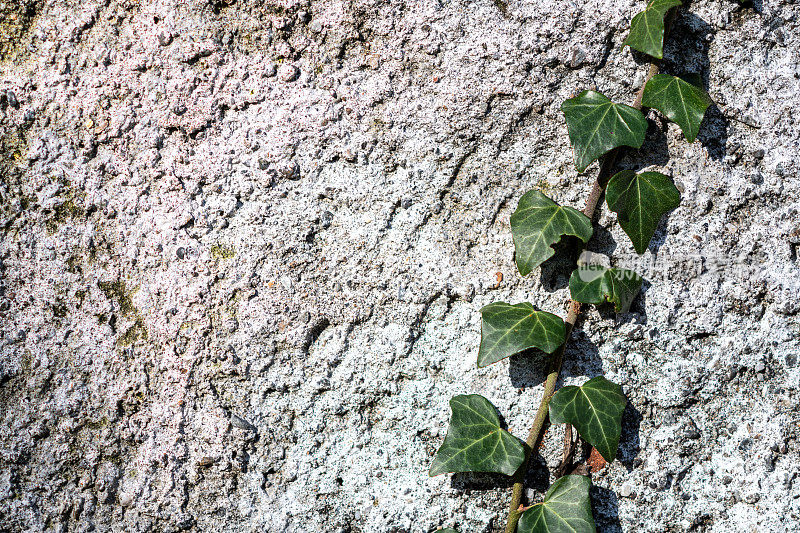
x=244, y=245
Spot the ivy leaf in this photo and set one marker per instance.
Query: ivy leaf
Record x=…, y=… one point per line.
x=507, y=329
x=680, y=101
x=595, y=409
x=596, y=284
x=566, y=509
x=597, y=125
x=647, y=28
x=475, y=442
x=448, y=530
x=538, y=224
x=640, y=200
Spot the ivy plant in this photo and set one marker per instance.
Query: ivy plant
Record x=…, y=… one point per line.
x=594, y=284
x=595, y=409
x=681, y=101
x=597, y=128
x=648, y=28
x=475, y=442
x=597, y=125
x=538, y=224
x=565, y=508
x=640, y=200
x=508, y=329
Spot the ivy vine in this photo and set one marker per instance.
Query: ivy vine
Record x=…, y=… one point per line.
x=598, y=128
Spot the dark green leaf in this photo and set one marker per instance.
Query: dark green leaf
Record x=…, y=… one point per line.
x=595, y=284
x=538, y=224
x=647, y=28
x=640, y=200
x=595, y=409
x=566, y=509
x=448, y=530
x=475, y=442
x=597, y=125
x=680, y=101
x=508, y=329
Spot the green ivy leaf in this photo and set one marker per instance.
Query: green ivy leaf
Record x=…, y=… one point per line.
x=597, y=125
x=680, y=101
x=507, y=329
x=647, y=28
x=640, y=200
x=538, y=224
x=595, y=284
x=475, y=442
x=566, y=509
x=595, y=409
x=448, y=530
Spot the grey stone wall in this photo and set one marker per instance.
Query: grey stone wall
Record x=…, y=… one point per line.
x=245, y=243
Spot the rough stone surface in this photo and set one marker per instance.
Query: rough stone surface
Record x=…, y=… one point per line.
x=245, y=243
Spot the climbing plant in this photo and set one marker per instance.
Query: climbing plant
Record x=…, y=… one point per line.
x=598, y=128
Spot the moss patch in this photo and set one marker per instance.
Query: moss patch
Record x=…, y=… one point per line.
x=117, y=292
x=13, y=148
x=16, y=19
x=68, y=209
x=134, y=333
x=220, y=251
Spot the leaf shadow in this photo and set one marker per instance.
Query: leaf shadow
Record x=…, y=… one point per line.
x=638, y=310
x=629, y=442
x=581, y=358
x=602, y=242
x=654, y=150
x=555, y=272
x=528, y=368
x=537, y=477
x=686, y=49
x=467, y=482
x=713, y=133
x=756, y=5
x=660, y=236
x=635, y=314
x=605, y=508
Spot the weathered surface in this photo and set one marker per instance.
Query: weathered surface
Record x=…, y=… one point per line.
x=244, y=246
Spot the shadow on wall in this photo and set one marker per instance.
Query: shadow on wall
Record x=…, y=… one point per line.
x=467, y=482
x=629, y=442
x=605, y=510
x=529, y=368
x=554, y=273
x=581, y=358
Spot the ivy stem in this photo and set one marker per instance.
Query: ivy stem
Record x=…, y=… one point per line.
x=541, y=421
